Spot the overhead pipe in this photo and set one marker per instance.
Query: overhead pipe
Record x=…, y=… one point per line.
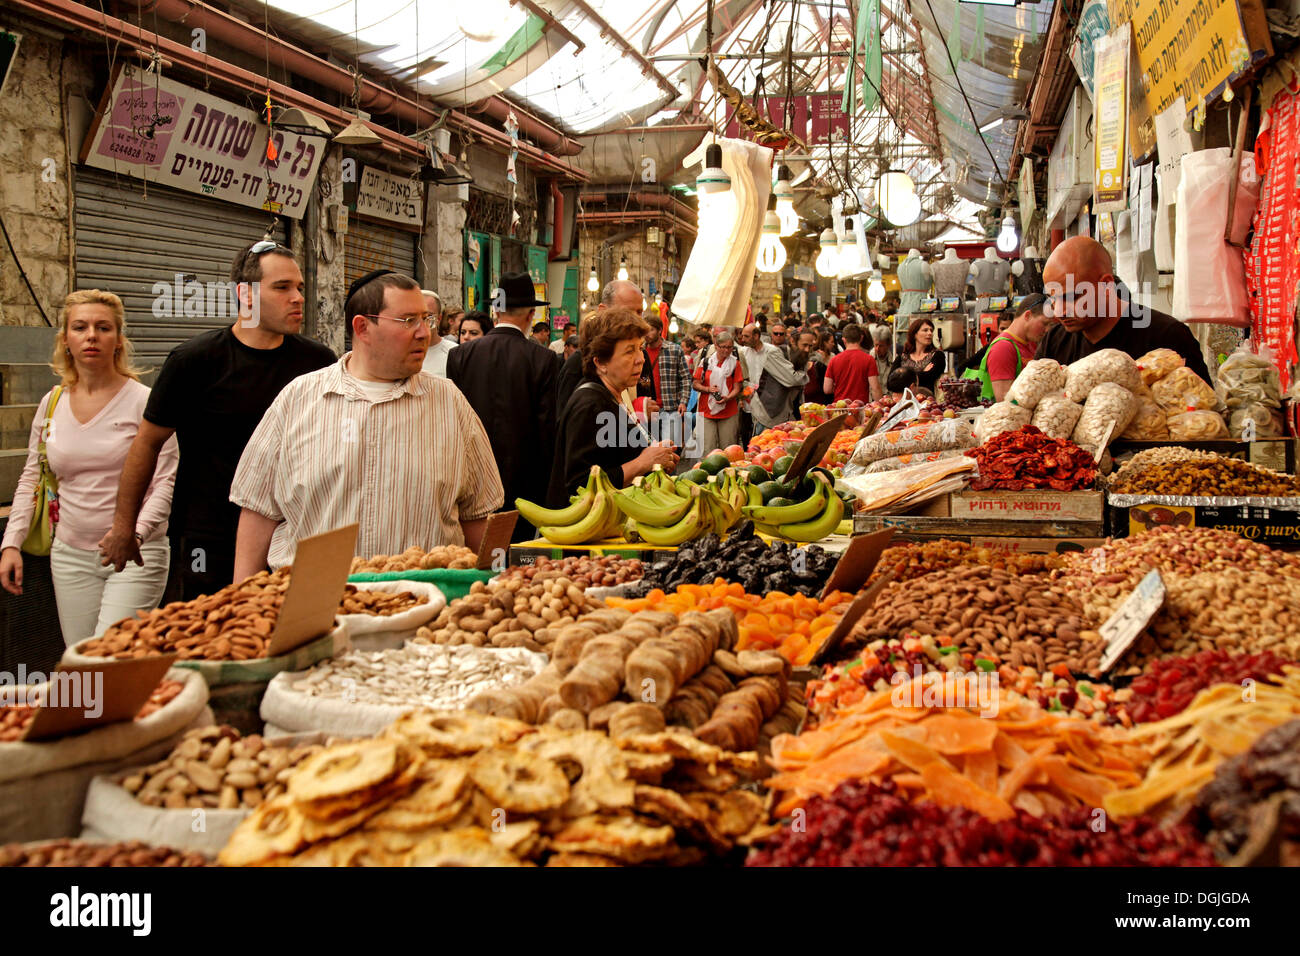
x=251, y=39
x=658, y=200
x=637, y=215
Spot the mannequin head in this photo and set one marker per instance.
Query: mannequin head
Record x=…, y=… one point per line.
x=990, y=254
x=950, y=255
x=913, y=253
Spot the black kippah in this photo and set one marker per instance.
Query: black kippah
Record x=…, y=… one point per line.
x=363, y=280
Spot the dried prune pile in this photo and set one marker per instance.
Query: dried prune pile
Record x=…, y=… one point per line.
x=746, y=559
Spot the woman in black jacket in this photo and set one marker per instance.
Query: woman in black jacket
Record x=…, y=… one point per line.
x=920, y=354
x=596, y=426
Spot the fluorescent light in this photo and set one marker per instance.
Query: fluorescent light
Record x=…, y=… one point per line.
x=992, y=124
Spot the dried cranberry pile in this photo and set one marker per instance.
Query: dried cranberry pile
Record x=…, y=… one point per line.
x=1168, y=686
x=874, y=825
x=1014, y=461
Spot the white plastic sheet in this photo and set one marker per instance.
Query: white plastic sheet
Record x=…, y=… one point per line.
x=1209, y=274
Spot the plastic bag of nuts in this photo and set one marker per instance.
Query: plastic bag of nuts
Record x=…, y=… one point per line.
x=999, y=418
x=1038, y=379
x=1108, y=404
x=82, y=853
x=1055, y=415
x=509, y=612
x=1108, y=365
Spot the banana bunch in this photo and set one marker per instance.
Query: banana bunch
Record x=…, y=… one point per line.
x=592, y=515
x=669, y=512
x=809, y=520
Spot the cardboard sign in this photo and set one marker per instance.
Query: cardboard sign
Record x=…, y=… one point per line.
x=496, y=538
x=120, y=689
x=320, y=572
x=1131, y=617
x=859, y=559
x=814, y=447
x=861, y=604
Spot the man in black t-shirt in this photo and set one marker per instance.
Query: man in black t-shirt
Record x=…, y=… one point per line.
x=211, y=393
x=1096, y=311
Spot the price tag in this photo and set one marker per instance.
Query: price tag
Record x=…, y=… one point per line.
x=857, y=562
x=1128, y=621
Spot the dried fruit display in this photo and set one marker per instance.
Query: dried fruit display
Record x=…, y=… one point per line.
x=1014, y=461
x=1210, y=478
x=959, y=740
x=1255, y=797
x=215, y=768
x=1223, y=721
x=1168, y=686
x=744, y=558
x=793, y=625
x=465, y=789
x=14, y=718
x=417, y=559
x=878, y=825
x=81, y=853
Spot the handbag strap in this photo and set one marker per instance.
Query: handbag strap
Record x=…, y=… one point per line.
x=49, y=415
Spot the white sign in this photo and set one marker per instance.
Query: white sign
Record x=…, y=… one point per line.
x=1122, y=628
x=397, y=199
x=161, y=131
x=1173, y=142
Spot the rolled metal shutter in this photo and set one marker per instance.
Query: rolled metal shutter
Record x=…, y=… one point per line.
x=368, y=247
x=127, y=242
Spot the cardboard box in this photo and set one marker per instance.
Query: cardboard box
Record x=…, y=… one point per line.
x=1270, y=526
x=1030, y=505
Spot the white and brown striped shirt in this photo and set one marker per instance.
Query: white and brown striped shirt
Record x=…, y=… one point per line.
x=408, y=466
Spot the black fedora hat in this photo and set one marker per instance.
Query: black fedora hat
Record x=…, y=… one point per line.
x=515, y=291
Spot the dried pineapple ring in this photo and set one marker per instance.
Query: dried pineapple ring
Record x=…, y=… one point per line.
x=518, y=781
x=455, y=733
x=274, y=829
x=467, y=847
x=345, y=769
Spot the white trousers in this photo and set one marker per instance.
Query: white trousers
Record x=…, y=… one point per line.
x=91, y=597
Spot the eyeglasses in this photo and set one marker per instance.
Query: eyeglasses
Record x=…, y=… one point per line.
x=408, y=322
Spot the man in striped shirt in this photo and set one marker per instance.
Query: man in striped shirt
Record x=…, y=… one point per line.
x=370, y=439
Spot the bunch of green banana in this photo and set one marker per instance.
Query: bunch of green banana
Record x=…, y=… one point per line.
x=668, y=511
x=592, y=515
x=812, y=519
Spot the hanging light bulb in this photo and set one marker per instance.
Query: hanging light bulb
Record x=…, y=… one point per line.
x=771, y=254
x=593, y=281
x=484, y=20
x=848, y=255
x=672, y=326
x=622, y=268
x=828, y=261
x=1007, y=238
x=784, y=193
x=711, y=183
x=898, y=200
x=876, y=290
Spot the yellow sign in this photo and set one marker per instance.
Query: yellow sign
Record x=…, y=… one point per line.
x=1186, y=48
x=1110, y=120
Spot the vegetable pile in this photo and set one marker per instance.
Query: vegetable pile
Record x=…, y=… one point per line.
x=876, y=825
x=747, y=559
x=1027, y=458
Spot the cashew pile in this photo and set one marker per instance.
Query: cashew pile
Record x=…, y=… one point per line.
x=419, y=675
x=1038, y=379
x=214, y=768
x=509, y=612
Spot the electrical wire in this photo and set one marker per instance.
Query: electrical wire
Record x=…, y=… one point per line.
x=23, y=272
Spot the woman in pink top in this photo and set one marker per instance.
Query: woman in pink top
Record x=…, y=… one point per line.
x=95, y=420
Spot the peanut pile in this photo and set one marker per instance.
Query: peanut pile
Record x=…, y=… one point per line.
x=214, y=768
x=995, y=614
x=419, y=675
x=378, y=603
x=14, y=718
x=509, y=612
x=1210, y=478
x=79, y=853
x=585, y=571
x=233, y=624
x=417, y=559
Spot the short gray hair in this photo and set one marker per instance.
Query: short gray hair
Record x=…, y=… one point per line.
x=436, y=298
x=722, y=335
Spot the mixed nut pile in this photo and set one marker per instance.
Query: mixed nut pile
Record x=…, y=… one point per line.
x=417, y=559
x=419, y=675
x=1214, y=477
x=14, y=718
x=584, y=571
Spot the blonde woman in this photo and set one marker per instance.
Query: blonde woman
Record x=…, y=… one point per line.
x=95, y=419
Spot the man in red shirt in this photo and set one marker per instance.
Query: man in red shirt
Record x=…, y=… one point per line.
x=1008, y=353
x=852, y=374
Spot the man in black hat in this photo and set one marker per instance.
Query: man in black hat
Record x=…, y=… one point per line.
x=511, y=384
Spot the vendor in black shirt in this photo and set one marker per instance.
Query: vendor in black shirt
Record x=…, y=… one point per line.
x=1094, y=311
x=211, y=394
x=595, y=427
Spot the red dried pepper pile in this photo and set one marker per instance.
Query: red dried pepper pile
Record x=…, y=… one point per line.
x=1014, y=461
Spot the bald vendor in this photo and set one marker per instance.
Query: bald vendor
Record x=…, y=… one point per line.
x=1092, y=310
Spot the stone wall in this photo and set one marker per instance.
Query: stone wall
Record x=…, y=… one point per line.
x=34, y=183
x=644, y=261
x=330, y=286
